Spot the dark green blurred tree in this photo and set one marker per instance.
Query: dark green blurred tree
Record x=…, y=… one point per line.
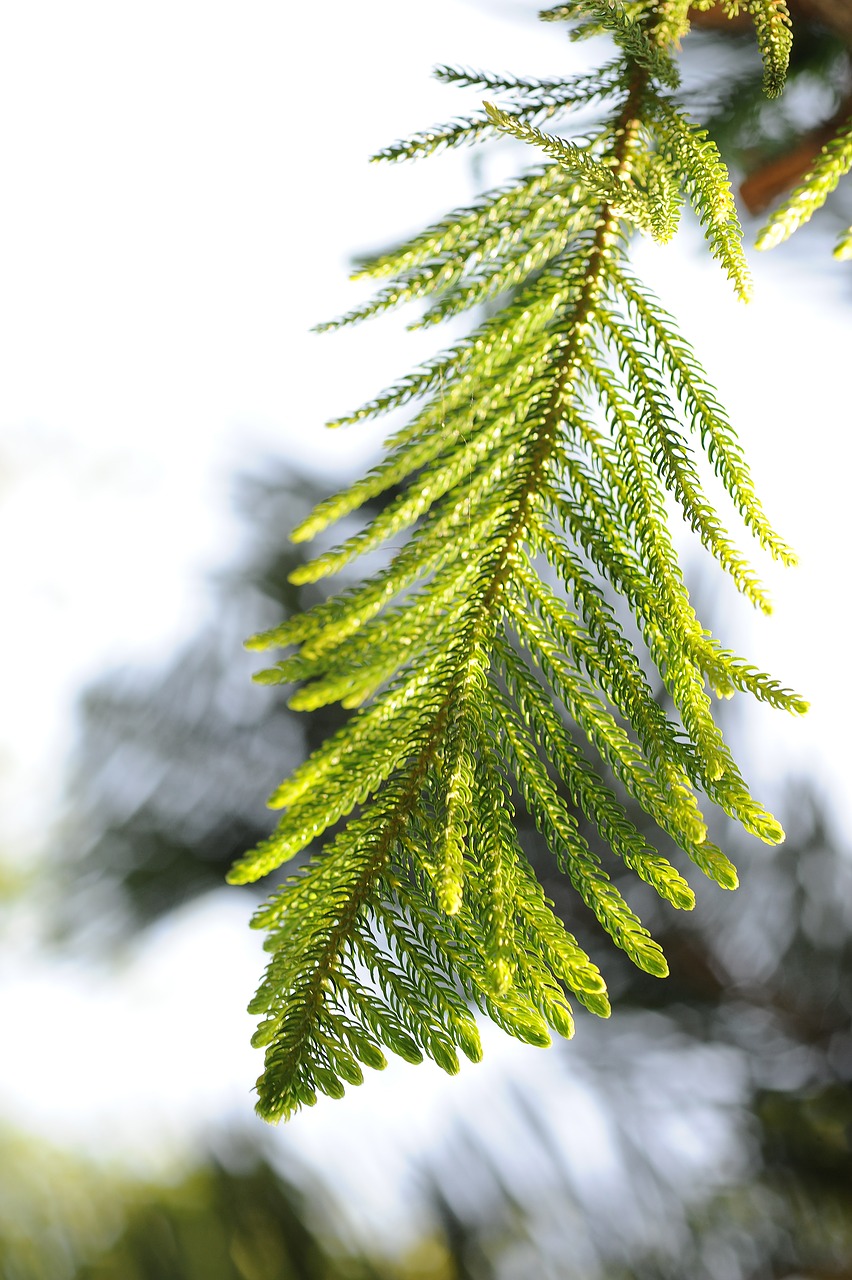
x=232, y=1217
x=170, y=770
x=224, y=1224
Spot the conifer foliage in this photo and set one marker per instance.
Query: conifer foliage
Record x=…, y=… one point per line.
x=832, y=163
x=530, y=484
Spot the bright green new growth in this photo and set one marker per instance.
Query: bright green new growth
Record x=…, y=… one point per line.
x=534, y=474
x=831, y=164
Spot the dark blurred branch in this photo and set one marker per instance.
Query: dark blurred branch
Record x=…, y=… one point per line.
x=716, y=19
x=779, y=173
x=782, y=173
x=835, y=15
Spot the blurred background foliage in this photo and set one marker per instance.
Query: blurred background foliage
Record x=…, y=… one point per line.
x=772, y=143
x=170, y=772
x=167, y=790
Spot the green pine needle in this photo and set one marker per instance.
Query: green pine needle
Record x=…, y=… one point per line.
x=831, y=164
x=483, y=661
x=775, y=39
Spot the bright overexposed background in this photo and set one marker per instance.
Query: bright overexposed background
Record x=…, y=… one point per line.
x=184, y=187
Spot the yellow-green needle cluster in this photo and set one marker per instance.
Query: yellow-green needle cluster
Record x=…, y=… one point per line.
x=483, y=661
x=832, y=163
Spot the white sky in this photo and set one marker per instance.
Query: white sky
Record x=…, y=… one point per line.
x=184, y=184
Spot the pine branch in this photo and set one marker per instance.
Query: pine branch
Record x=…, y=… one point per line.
x=695, y=159
x=531, y=481
x=597, y=180
x=775, y=39
x=533, y=100
x=833, y=161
